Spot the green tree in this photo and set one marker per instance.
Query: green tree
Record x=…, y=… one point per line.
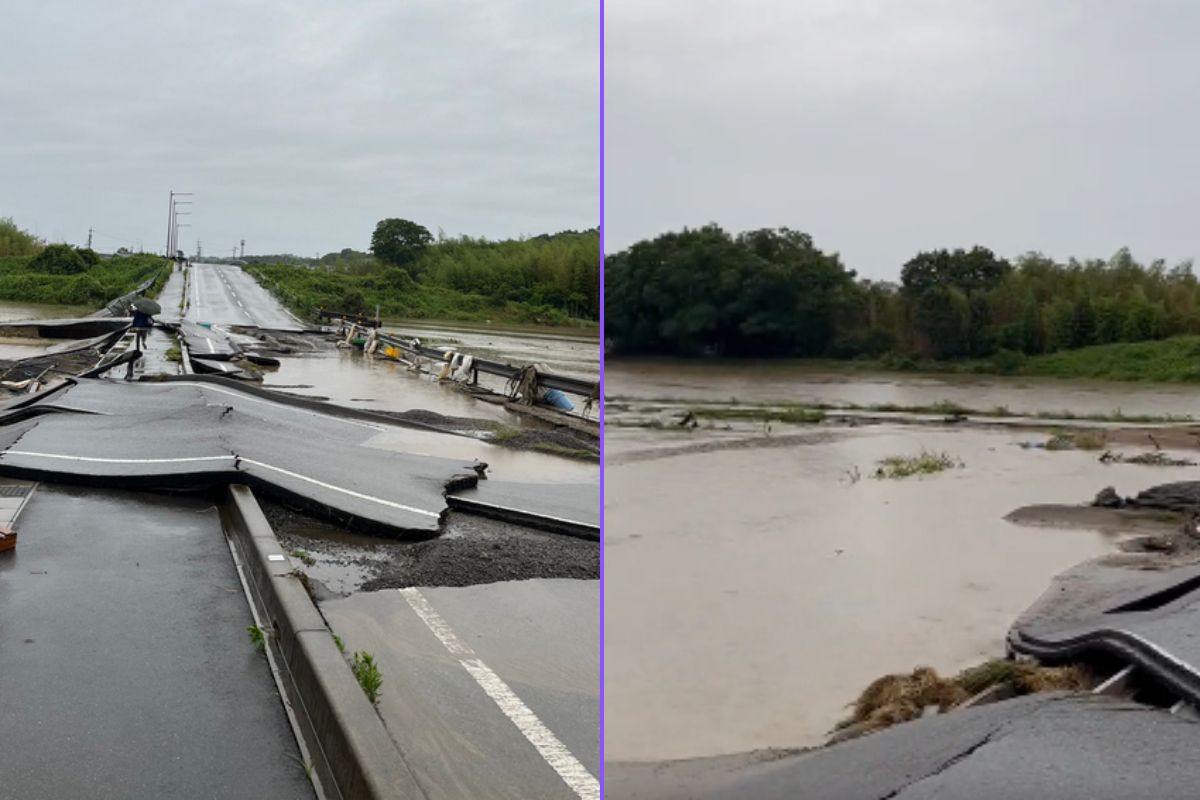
x=59, y=259
x=943, y=315
x=400, y=242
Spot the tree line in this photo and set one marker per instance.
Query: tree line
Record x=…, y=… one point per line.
x=550, y=278
x=774, y=292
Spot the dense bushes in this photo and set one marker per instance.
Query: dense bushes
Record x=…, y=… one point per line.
x=551, y=279
x=774, y=292
x=21, y=280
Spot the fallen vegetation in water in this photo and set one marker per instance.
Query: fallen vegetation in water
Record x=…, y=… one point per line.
x=893, y=699
x=1155, y=459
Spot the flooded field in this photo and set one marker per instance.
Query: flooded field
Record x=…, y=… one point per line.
x=759, y=579
x=16, y=312
x=789, y=382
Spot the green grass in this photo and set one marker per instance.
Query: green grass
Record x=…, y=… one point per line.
x=926, y=463
x=174, y=353
x=368, y=675
x=341, y=646
x=100, y=284
x=305, y=290
x=1173, y=360
x=304, y=556
x=1076, y=440
x=257, y=637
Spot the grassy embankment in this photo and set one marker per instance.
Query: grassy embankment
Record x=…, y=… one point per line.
x=551, y=280
x=1173, y=360
x=22, y=282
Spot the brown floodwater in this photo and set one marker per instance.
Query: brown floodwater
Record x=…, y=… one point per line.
x=17, y=312
x=792, y=382
x=349, y=378
x=754, y=585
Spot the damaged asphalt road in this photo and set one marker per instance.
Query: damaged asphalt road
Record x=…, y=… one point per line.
x=1042, y=746
x=182, y=435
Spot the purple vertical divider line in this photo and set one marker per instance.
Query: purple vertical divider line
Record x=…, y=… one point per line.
x=602, y=338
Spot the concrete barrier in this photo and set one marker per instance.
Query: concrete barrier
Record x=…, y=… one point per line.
x=354, y=757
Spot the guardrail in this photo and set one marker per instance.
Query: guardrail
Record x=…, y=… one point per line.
x=564, y=383
x=357, y=319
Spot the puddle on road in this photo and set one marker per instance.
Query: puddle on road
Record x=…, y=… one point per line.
x=754, y=591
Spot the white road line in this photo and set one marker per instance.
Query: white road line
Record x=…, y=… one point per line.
x=117, y=460
x=281, y=470
x=556, y=754
x=349, y=492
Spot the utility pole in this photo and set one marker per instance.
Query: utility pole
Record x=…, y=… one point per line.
x=233, y=252
x=173, y=223
x=89, y=247
x=199, y=250
x=243, y=253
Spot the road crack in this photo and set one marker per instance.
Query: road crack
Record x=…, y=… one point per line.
x=945, y=765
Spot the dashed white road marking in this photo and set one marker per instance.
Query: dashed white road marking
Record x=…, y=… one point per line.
x=556, y=754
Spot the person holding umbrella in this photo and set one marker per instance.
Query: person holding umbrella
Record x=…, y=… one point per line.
x=144, y=310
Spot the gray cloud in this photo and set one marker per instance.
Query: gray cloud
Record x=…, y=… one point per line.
x=883, y=128
x=300, y=123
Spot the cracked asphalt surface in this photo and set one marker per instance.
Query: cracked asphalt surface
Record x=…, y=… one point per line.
x=182, y=434
x=1075, y=747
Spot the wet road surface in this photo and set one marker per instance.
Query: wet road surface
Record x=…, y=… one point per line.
x=491, y=690
x=224, y=294
x=1071, y=747
x=125, y=668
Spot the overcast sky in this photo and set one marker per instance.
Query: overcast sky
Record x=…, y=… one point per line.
x=884, y=128
x=299, y=123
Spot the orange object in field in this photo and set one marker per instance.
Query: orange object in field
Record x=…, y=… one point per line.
x=8, y=539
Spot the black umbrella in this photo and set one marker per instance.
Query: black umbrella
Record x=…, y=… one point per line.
x=147, y=306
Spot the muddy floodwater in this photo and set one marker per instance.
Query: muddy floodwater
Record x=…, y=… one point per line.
x=791, y=382
x=17, y=312
x=757, y=581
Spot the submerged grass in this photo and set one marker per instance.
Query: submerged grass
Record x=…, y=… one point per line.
x=926, y=462
x=795, y=415
x=1076, y=440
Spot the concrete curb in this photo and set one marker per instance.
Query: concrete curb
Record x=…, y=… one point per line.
x=355, y=757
